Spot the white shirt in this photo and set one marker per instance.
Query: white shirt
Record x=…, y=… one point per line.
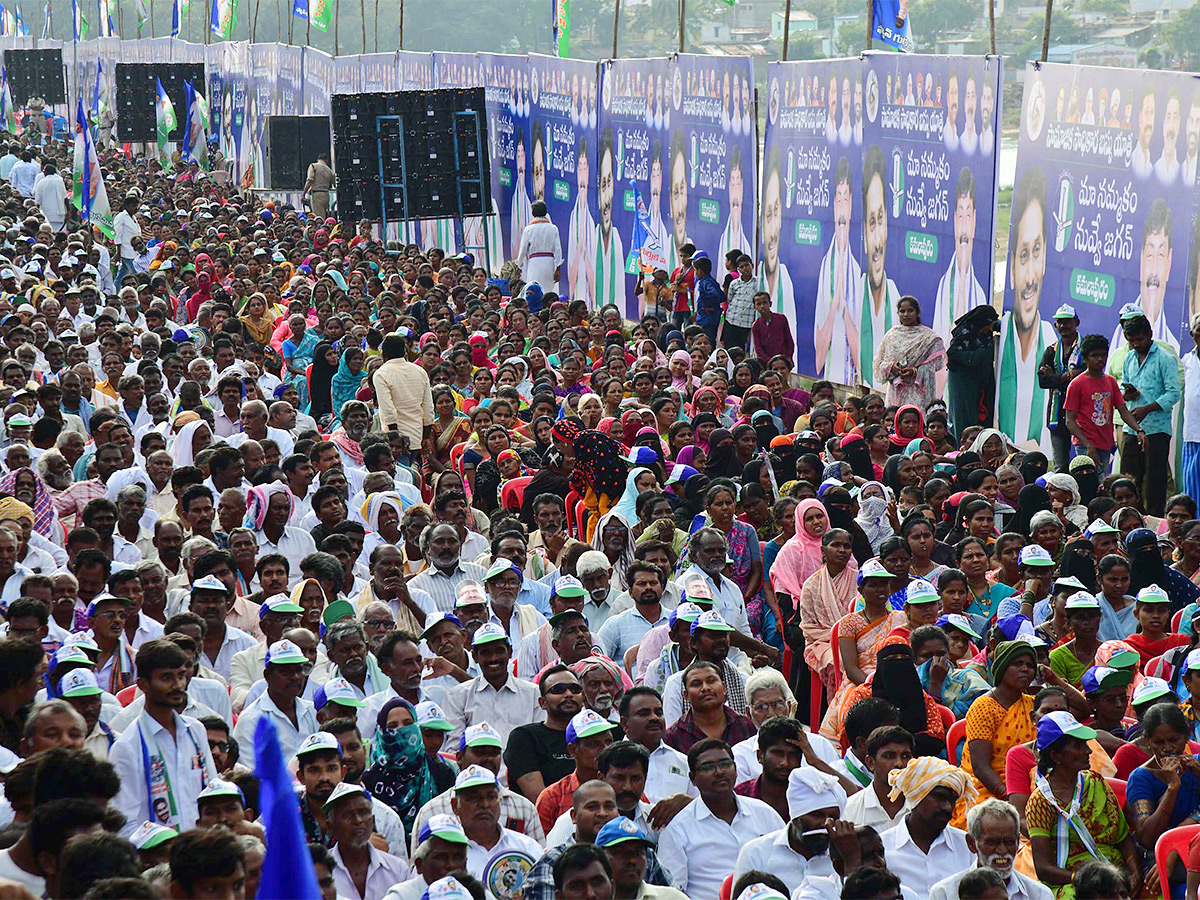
x=773, y=853
x=23, y=177
x=188, y=762
x=290, y=736
x=285, y=441
x=51, y=195
x=125, y=551
x=412, y=889
x=1191, y=397
x=540, y=253
x=126, y=228
x=479, y=856
x=294, y=544
x=699, y=850
x=728, y=596
x=837, y=268
x=383, y=871
x=235, y=641
x=668, y=774
x=10, y=870
x=475, y=701
x=563, y=831
x=864, y=808
x=921, y=871
x=1020, y=887
x=829, y=887
x=745, y=754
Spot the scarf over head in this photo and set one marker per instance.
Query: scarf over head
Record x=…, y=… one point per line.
x=398, y=768
x=42, y=514
x=923, y=774
x=801, y=556
x=259, y=498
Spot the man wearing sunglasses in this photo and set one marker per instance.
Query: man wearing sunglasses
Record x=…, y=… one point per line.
x=537, y=755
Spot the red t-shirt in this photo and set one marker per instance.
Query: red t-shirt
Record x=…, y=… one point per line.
x=1091, y=399
x=683, y=299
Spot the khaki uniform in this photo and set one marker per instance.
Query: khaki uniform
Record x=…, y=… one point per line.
x=320, y=183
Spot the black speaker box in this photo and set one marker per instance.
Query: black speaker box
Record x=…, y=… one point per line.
x=35, y=73
x=137, y=95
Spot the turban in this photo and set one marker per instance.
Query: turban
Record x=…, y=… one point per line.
x=12, y=508
x=810, y=789
x=259, y=498
x=922, y=775
x=1006, y=653
x=590, y=663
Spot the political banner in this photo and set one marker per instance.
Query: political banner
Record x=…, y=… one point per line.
x=811, y=235
x=260, y=103
x=892, y=27
x=635, y=119
x=347, y=75
x=1103, y=215
x=287, y=91
x=318, y=82
x=710, y=162
x=929, y=167
x=458, y=70
x=379, y=72
x=505, y=81
x=562, y=131
x=414, y=71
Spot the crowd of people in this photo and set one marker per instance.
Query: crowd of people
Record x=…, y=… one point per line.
x=540, y=602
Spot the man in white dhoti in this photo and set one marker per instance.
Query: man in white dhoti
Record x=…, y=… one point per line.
x=959, y=291
x=836, y=331
x=540, y=252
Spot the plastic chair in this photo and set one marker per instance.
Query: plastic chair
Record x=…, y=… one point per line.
x=456, y=453
x=1158, y=667
x=571, y=503
x=726, y=888
x=957, y=732
x=1118, y=788
x=127, y=695
x=1176, y=839
x=948, y=719
x=1175, y=620
x=512, y=494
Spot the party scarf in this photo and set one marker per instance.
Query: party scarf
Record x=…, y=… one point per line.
x=1068, y=820
x=1007, y=411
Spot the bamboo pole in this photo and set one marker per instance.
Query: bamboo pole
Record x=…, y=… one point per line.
x=616, y=25
x=1046, y=30
x=787, y=26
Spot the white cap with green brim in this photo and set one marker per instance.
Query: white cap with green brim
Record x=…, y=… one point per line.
x=430, y=715
x=150, y=835
x=1081, y=600
x=343, y=790
x=473, y=777
x=285, y=653
x=79, y=683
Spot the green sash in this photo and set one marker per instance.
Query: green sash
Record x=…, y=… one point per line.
x=608, y=271
x=866, y=334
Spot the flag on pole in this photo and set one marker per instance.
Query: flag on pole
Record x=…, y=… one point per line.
x=99, y=96
x=7, y=117
x=176, y=17
x=646, y=252
x=105, y=19
x=287, y=870
x=300, y=9
x=143, y=16
x=322, y=13
x=88, y=194
x=195, y=133
x=46, y=22
x=22, y=28
x=224, y=18
x=164, y=115
x=80, y=22
x=560, y=12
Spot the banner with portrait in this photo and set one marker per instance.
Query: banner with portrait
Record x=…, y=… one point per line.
x=811, y=234
x=260, y=103
x=1103, y=215
x=505, y=80
x=635, y=119
x=379, y=72
x=291, y=66
x=929, y=171
x=318, y=82
x=347, y=75
x=710, y=163
x=562, y=129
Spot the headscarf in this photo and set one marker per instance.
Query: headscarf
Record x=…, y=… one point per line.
x=398, y=768
x=598, y=465
x=701, y=392
x=658, y=358
x=631, y=424
x=182, y=448
x=923, y=774
x=200, y=294
x=895, y=437
x=626, y=507
x=703, y=419
x=1032, y=500
x=1008, y=652
x=1062, y=482
x=986, y=435
x=588, y=663
x=626, y=558
x=12, y=508
x=686, y=455
x=344, y=384
x=540, y=447
x=375, y=503
x=872, y=514
x=42, y=513
x=722, y=461
x=727, y=367
x=891, y=472
x=479, y=352
x=685, y=383
x=896, y=681
x=765, y=429
x=320, y=382
x=1034, y=466
x=1146, y=565
x=783, y=449
x=258, y=498
x=801, y=556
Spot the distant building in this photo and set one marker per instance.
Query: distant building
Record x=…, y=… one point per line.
x=801, y=21
x=1102, y=54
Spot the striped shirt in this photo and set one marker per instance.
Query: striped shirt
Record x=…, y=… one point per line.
x=444, y=588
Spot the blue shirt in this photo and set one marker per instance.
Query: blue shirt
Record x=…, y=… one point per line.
x=1144, y=785
x=709, y=298
x=1156, y=379
x=535, y=594
x=1114, y=625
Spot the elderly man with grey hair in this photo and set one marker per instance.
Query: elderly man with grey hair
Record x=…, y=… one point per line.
x=595, y=572
x=253, y=419
x=53, y=723
x=993, y=834
x=349, y=659
x=180, y=586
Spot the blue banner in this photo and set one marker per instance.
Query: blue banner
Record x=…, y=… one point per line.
x=562, y=130
x=931, y=143
x=811, y=236
x=287, y=94
x=710, y=161
x=635, y=118
x=1103, y=214
x=506, y=88
x=892, y=26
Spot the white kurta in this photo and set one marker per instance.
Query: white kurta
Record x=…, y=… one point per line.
x=838, y=364
x=540, y=253
x=957, y=294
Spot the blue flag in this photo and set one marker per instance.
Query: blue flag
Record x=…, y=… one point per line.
x=175, y=19
x=287, y=872
x=646, y=252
